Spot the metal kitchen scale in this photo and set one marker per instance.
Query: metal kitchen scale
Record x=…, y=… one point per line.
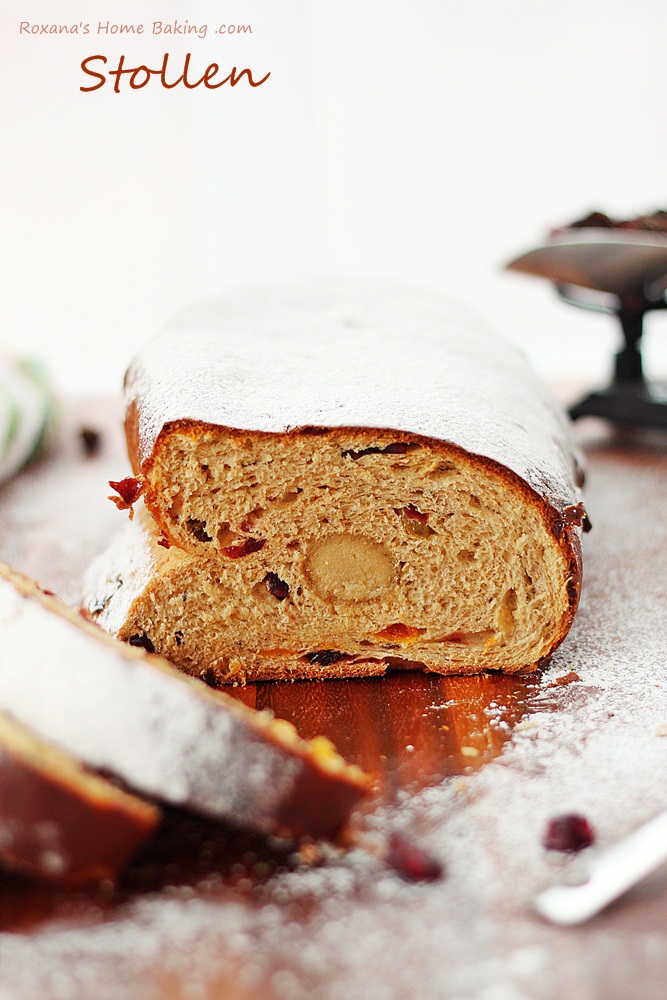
x=622, y=273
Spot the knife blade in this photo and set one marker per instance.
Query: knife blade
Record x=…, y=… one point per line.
x=608, y=876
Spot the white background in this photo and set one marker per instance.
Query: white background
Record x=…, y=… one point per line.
x=428, y=141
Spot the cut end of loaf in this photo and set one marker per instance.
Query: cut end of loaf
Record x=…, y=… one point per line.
x=161, y=733
x=344, y=552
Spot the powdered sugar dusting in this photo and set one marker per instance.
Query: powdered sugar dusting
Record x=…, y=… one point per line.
x=55, y=515
x=327, y=354
x=108, y=595
x=351, y=928
x=116, y=711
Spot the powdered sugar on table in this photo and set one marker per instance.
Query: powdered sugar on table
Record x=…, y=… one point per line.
x=535, y=748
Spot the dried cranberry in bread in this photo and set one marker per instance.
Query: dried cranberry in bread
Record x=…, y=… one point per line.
x=129, y=714
x=60, y=821
x=366, y=477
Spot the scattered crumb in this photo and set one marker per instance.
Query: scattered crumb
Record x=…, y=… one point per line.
x=91, y=441
x=568, y=678
x=527, y=724
x=662, y=729
x=310, y=853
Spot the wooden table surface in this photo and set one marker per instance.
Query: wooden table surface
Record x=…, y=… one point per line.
x=472, y=768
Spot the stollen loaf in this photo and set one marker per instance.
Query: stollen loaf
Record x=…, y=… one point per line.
x=132, y=716
x=340, y=479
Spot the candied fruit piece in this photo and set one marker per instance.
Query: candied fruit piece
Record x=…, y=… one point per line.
x=243, y=548
x=198, y=529
x=142, y=641
x=276, y=587
x=414, y=514
x=574, y=514
x=415, y=521
x=325, y=657
x=569, y=832
x=411, y=861
x=129, y=490
x=398, y=632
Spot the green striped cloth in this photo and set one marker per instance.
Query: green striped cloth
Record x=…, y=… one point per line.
x=27, y=414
